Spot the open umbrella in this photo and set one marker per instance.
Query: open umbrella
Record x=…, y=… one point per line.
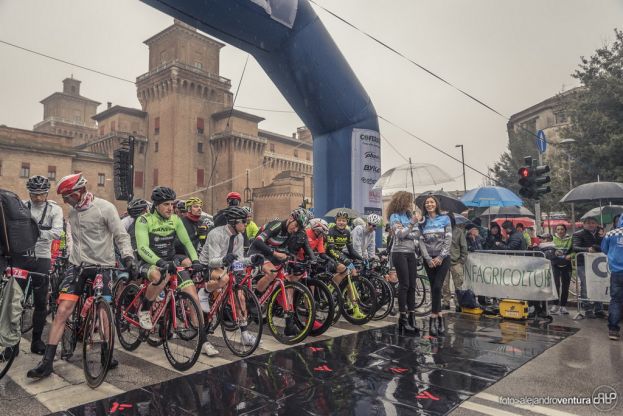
x=410, y=175
x=460, y=219
x=595, y=191
x=447, y=201
x=606, y=213
x=491, y=196
x=507, y=212
x=351, y=212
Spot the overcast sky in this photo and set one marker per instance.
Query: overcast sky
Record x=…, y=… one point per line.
x=509, y=54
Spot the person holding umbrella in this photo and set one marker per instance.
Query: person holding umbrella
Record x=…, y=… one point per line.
x=407, y=236
x=587, y=240
x=437, y=239
x=612, y=245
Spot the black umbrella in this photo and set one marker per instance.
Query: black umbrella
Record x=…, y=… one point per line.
x=507, y=212
x=595, y=191
x=447, y=201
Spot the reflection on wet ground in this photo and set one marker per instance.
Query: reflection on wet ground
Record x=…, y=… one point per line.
x=374, y=372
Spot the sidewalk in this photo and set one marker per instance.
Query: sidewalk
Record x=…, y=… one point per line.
x=574, y=367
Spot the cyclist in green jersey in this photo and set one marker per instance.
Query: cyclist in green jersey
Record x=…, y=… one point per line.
x=155, y=242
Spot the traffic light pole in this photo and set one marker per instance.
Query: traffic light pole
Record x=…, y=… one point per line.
x=537, y=206
x=131, y=174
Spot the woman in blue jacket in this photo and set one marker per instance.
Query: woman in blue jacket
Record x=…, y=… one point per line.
x=437, y=238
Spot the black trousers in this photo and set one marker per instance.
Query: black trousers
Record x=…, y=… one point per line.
x=406, y=269
x=562, y=275
x=436, y=276
x=39, y=286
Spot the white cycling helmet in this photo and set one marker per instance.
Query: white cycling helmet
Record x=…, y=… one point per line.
x=320, y=225
x=374, y=219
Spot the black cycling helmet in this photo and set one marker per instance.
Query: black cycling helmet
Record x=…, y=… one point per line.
x=234, y=214
x=161, y=194
x=38, y=185
x=301, y=215
x=136, y=207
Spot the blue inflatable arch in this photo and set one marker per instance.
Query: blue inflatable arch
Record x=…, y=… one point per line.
x=289, y=41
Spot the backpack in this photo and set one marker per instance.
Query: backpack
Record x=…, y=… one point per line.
x=18, y=231
x=466, y=299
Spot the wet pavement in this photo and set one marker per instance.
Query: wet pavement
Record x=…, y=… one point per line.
x=373, y=372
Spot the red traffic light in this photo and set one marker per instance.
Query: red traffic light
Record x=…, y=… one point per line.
x=524, y=172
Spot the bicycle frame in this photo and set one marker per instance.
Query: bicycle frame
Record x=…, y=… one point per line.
x=227, y=293
x=278, y=281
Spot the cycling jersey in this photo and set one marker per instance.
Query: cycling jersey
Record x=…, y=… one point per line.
x=155, y=237
x=315, y=242
x=274, y=235
x=197, y=231
x=338, y=240
x=220, y=242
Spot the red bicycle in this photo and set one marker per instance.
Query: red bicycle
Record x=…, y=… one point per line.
x=236, y=310
x=290, y=308
x=179, y=317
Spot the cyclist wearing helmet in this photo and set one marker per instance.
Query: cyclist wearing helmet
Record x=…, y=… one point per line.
x=280, y=235
x=196, y=225
x=95, y=230
x=155, y=240
x=224, y=245
x=136, y=208
x=49, y=218
x=233, y=200
x=179, y=207
x=339, y=239
x=363, y=237
x=252, y=228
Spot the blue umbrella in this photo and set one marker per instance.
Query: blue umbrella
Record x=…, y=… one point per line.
x=491, y=196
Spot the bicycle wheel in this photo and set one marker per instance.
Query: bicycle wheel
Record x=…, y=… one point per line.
x=384, y=296
x=323, y=300
x=182, y=349
x=7, y=355
x=55, y=281
x=360, y=310
x=327, y=279
x=28, y=309
x=282, y=324
x=240, y=343
x=128, y=333
x=98, y=343
x=423, y=304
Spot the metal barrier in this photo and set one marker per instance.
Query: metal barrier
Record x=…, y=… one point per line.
x=578, y=288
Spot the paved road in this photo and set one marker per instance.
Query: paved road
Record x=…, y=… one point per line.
x=66, y=388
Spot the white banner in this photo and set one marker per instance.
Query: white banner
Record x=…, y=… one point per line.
x=508, y=276
x=366, y=170
x=597, y=276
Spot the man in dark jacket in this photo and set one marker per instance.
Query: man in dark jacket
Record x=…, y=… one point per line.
x=515, y=238
x=587, y=240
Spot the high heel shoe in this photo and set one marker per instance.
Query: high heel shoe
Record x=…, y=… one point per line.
x=412, y=321
x=404, y=325
x=441, y=325
x=432, y=325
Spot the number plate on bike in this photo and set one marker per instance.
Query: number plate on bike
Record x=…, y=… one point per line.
x=237, y=266
x=16, y=273
x=98, y=283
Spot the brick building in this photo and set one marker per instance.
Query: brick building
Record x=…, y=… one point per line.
x=187, y=135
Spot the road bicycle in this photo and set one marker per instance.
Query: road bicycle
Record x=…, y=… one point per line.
x=91, y=323
x=179, y=321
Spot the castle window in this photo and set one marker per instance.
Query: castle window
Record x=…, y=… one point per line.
x=141, y=147
x=296, y=153
x=199, y=147
x=24, y=172
x=155, y=177
x=200, y=177
x=200, y=125
x=272, y=147
x=156, y=147
x=101, y=179
x=157, y=125
x=52, y=173
x=138, y=179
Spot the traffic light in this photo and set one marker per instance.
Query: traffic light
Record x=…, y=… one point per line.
x=541, y=179
x=122, y=174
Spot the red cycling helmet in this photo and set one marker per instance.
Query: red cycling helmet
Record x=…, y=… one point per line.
x=234, y=195
x=71, y=183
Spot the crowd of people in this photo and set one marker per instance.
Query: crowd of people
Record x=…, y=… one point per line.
x=156, y=237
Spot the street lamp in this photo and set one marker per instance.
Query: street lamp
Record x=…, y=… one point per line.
x=463, y=162
x=569, y=143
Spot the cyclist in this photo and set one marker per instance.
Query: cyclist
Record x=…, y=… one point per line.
x=155, y=235
x=49, y=218
x=363, y=237
x=179, y=207
x=224, y=246
x=338, y=240
x=136, y=208
x=316, y=234
x=95, y=226
x=196, y=225
x=233, y=200
x=252, y=228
